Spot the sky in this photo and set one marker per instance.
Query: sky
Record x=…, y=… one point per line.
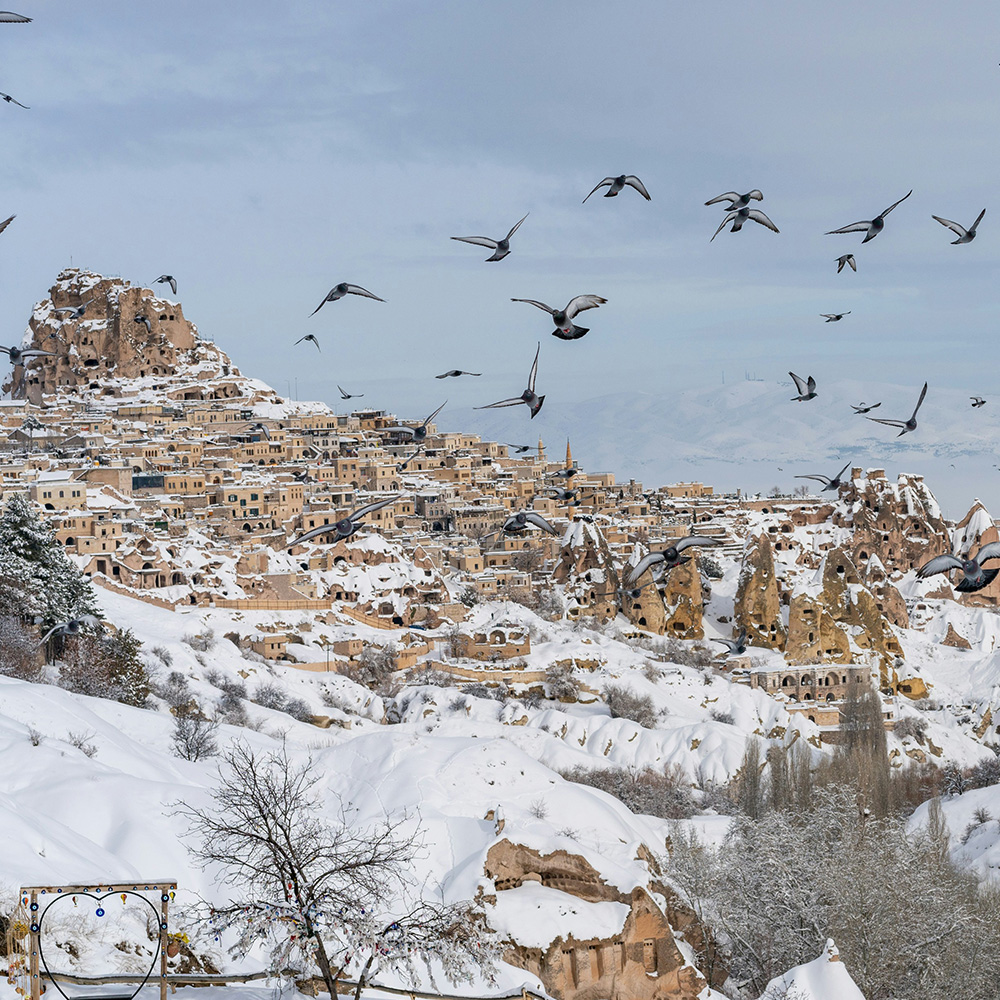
x=262, y=153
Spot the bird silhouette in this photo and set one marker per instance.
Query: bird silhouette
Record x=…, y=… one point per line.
x=6, y=222
x=807, y=389
x=848, y=259
x=977, y=401
x=10, y=100
x=73, y=627
x=528, y=397
x=873, y=227
x=737, y=645
x=964, y=235
x=144, y=320
x=974, y=576
x=349, y=395
x=670, y=557
x=907, y=425
x=454, y=373
x=19, y=355
x=566, y=329
x=518, y=523
x=829, y=484
x=619, y=183
x=861, y=408
x=168, y=279
x=741, y=215
x=500, y=247
x=343, y=528
x=75, y=312
x=835, y=317
x=419, y=433
x=310, y=337
x=736, y=201
x=339, y=291
x=9, y=17
x=400, y=466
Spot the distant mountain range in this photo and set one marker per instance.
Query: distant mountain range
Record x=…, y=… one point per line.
x=749, y=435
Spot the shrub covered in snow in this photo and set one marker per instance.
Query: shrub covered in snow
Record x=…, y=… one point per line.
x=665, y=793
x=623, y=704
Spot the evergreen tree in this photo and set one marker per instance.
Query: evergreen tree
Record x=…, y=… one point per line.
x=37, y=579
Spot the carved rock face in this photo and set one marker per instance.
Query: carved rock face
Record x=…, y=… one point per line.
x=107, y=343
x=758, y=602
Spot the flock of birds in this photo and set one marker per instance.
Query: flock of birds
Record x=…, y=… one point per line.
x=738, y=211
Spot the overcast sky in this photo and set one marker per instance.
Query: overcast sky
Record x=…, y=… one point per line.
x=262, y=152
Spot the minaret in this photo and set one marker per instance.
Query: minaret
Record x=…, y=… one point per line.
x=569, y=456
x=541, y=449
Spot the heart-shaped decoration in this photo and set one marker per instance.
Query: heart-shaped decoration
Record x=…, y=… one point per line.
x=97, y=928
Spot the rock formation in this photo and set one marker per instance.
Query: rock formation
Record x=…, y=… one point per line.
x=586, y=570
x=758, y=602
x=111, y=342
x=641, y=962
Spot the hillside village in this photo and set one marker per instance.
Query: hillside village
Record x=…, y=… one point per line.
x=176, y=483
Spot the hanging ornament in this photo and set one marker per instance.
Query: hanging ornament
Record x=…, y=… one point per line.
x=100, y=911
x=123, y=898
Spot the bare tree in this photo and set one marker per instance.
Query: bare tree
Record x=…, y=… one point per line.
x=194, y=737
x=324, y=890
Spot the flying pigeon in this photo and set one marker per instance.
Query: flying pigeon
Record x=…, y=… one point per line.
x=872, y=228
x=140, y=318
x=737, y=645
x=670, y=557
x=907, y=425
x=964, y=235
x=343, y=528
x=10, y=100
x=520, y=522
x=18, y=355
x=847, y=259
x=72, y=627
x=835, y=317
x=807, y=390
x=349, y=395
x=529, y=397
x=400, y=466
x=420, y=433
x=312, y=338
x=861, y=408
x=75, y=312
x=566, y=329
x=616, y=184
x=560, y=493
x=975, y=577
x=828, y=484
x=739, y=216
x=634, y=593
x=519, y=449
x=737, y=201
x=262, y=429
x=500, y=247
x=978, y=400
x=6, y=222
x=9, y=17
x=339, y=291
x=455, y=372
x=167, y=279
x=568, y=473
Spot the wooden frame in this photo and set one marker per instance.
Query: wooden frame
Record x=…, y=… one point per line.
x=33, y=897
